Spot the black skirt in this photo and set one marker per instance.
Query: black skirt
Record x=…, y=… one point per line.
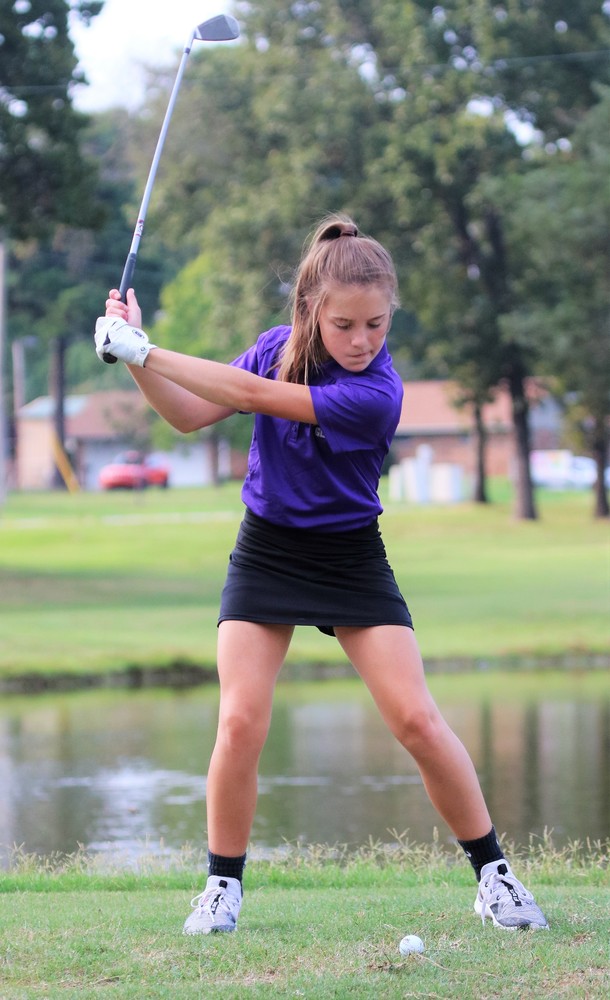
x=293, y=576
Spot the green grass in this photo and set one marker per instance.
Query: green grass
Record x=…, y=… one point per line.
x=100, y=582
x=319, y=925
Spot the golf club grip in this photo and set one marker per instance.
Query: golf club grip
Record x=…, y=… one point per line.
x=130, y=266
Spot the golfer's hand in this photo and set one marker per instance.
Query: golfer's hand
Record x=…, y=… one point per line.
x=124, y=342
x=129, y=310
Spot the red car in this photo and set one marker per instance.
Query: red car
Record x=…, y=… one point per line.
x=131, y=470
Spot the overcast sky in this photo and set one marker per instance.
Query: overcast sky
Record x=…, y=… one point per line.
x=128, y=35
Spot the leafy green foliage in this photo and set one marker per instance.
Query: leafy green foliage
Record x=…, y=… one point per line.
x=44, y=179
x=264, y=142
x=562, y=220
x=58, y=283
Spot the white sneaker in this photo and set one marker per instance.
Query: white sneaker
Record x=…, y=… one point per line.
x=502, y=897
x=216, y=908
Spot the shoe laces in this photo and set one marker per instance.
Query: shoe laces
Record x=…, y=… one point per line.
x=497, y=885
x=211, y=899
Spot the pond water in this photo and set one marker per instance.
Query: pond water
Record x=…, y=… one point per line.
x=124, y=771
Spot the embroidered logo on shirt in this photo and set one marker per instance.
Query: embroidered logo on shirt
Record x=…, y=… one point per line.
x=319, y=433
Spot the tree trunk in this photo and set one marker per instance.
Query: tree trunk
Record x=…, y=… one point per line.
x=525, y=508
x=600, y=453
x=213, y=452
x=479, y=494
x=3, y=452
x=57, y=389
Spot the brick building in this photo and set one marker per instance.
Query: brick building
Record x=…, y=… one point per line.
x=430, y=416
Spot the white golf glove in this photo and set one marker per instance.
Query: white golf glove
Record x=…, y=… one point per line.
x=126, y=343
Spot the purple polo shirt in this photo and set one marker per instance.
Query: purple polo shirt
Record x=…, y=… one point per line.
x=322, y=476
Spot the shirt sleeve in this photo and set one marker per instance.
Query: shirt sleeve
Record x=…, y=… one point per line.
x=357, y=414
x=248, y=360
x=261, y=358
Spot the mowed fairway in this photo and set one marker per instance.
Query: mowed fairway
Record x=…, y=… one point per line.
x=100, y=582
x=318, y=929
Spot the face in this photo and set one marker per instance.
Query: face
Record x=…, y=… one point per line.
x=354, y=321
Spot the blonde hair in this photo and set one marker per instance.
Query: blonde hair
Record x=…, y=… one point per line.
x=336, y=253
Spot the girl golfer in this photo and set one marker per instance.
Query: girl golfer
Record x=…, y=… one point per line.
x=326, y=401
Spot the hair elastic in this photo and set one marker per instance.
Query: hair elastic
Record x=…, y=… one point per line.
x=336, y=231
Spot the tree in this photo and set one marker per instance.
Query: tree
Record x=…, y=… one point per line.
x=454, y=270
x=45, y=180
x=562, y=218
x=186, y=322
x=58, y=283
x=532, y=63
x=289, y=142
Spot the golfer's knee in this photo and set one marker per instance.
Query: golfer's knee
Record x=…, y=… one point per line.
x=241, y=732
x=418, y=729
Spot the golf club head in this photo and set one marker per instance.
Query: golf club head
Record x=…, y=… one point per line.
x=222, y=28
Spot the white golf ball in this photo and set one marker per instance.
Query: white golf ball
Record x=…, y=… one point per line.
x=410, y=943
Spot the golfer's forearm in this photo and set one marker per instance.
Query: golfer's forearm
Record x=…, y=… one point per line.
x=217, y=383
x=229, y=389
x=179, y=407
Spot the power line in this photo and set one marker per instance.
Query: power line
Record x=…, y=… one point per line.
x=500, y=63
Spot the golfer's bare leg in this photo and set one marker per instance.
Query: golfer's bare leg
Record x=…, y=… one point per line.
x=250, y=657
x=388, y=660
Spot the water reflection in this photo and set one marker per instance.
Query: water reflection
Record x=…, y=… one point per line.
x=123, y=771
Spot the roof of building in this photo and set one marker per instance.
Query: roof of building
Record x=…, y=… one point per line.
x=432, y=408
x=101, y=415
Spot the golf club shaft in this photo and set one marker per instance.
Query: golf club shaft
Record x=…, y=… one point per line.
x=215, y=29
x=130, y=262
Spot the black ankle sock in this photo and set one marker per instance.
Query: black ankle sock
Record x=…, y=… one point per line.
x=226, y=867
x=482, y=850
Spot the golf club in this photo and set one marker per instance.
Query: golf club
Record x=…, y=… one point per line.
x=222, y=28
